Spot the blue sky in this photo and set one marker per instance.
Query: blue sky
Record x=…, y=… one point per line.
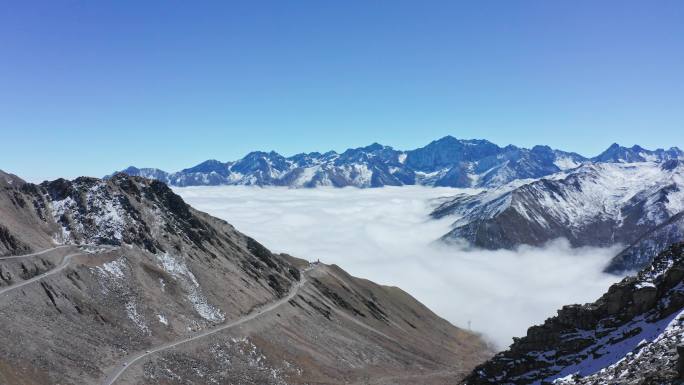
x=90, y=87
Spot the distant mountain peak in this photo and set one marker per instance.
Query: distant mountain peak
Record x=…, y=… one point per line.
x=447, y=138
x=130, y=168
x=447, y=161
x=541, y=148
x=617, y=153
x=375, y=146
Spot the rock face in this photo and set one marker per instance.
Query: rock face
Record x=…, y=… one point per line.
x=23, y=224
x=444, y=162
x=680, y=362
x=628, y=336
x=137, y=268
x=597, y=204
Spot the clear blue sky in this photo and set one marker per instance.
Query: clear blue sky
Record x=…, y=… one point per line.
x=93, y=86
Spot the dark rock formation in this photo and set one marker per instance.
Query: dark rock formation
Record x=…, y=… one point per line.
x=637, y=314
x=680, y=361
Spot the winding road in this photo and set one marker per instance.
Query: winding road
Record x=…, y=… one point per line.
x=36, y=253
x=135, y=357
x=62, y=265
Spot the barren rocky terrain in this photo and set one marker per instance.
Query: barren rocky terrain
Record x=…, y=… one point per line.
x=141, y=271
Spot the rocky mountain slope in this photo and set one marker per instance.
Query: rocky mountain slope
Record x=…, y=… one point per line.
x=638, y=254
x=123, y=268
x=628, y=336
x=444, y=162
x=597, y=204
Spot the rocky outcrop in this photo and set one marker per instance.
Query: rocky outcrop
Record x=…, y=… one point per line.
x=10, y=245
x=642, y=314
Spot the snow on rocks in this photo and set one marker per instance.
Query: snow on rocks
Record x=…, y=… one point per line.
x=112, y=274
x=227, y=361
x=95, y=217
x=177, y=268
x=637, y=364
x=136, y=317
x=162, y=319
x=626, y=336
x=112, y=277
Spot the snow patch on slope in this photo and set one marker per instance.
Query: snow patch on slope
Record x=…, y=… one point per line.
x=660, y=350
x=136, y=317
x=177, y=268
x=114, y=268
x=566, y=163
x=112, y=278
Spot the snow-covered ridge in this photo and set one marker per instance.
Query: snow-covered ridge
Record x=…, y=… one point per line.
x=448, y=162
x=596, y=204
x=601, y=189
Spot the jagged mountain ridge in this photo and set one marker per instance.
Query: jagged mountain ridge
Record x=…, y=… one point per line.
x=616, y=153
x=444, y=162
x=628, y=336
x=170, y=272
x=597, y=204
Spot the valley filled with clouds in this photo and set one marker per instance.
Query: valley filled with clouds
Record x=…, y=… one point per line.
x=386, y=235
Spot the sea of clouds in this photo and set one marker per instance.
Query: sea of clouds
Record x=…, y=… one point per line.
x=386, y=235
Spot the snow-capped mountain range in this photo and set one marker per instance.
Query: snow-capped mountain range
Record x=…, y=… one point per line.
x=630, y=196
x=596, y=204
x=445, y=162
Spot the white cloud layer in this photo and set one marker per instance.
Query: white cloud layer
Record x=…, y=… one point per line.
x=386, y=235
